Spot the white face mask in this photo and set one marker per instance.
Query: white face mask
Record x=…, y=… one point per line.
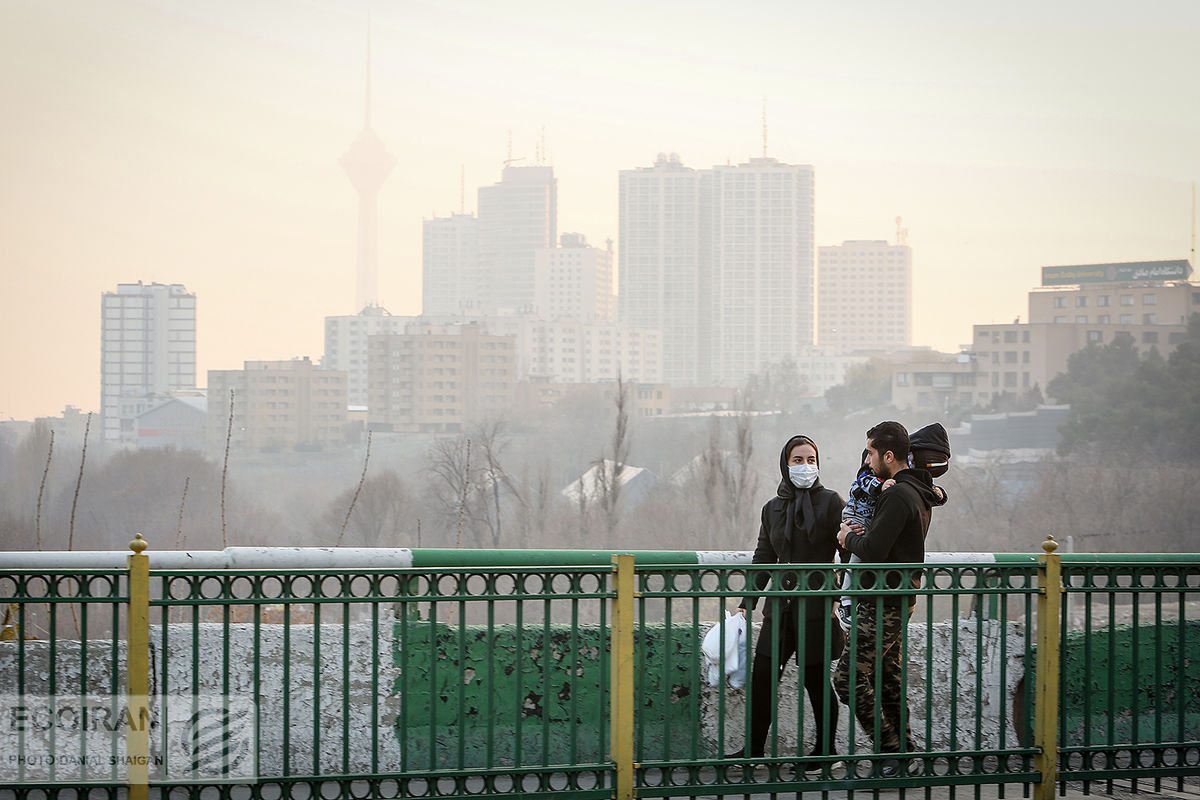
x=803, y=476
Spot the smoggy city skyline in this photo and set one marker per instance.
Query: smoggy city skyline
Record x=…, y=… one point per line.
x=199, y=144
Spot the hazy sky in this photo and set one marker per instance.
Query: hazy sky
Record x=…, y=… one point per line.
x=197, y=143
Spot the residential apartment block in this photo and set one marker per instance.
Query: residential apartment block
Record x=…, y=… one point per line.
x=147, y=350
x=574, y=281
x=517, y=216
x=277, y=405
x=864, y=298
x=439, y=378
x=449, y=264
x=665, y=285
x=926, y=380
x=721, y=261
x=346, y=345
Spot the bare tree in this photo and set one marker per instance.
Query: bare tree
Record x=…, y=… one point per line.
x=42, y=491
x=535, y=500
x=353, y=500
x=78, y=483
x=381, y=512
x=225, y=470
x=182, y=501
x=467, y=483
x=610, y=466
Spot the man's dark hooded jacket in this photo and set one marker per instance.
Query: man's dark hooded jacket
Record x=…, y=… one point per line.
x=896, y=534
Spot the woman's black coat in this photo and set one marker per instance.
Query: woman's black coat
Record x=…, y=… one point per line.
x=801, y=542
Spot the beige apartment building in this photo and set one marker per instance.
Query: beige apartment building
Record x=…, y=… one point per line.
x=926, y=380
x=277, y=405
x=1096, y=308
x=439, y=378
x=1149, y=301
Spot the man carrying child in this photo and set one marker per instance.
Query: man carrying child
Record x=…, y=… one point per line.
x=895, y=534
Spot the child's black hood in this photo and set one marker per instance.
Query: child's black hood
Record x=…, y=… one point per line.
x=931, y=437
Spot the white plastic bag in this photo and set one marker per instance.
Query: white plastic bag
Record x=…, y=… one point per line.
x=735, y=651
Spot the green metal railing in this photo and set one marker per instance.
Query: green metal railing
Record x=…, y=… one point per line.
x=544, y=673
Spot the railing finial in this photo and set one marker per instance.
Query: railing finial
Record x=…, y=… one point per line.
x=138, y=544
x=1049, y=545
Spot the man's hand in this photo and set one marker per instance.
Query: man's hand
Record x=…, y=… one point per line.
x=848, y=528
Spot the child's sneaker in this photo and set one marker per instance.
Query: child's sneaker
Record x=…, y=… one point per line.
x=842, y=612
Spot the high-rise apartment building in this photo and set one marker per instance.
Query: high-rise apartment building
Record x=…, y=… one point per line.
x=277, y=405
x=147, y=349
x=864, y=298
x=574, y=281
x=449, y=264
x=721, y=260
x=517, y=216
x=762, y=266
x=663, y=286
x=346, y=345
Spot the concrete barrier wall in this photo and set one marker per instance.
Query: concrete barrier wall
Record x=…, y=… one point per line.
x=345, y=702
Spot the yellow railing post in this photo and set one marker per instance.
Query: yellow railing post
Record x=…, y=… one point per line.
x=1045, y=725
x=137, y=666
x=621, y=677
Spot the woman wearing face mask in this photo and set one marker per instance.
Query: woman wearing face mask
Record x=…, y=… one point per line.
x=799, y=526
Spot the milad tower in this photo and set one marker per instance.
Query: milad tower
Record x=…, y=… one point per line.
x=367, y=163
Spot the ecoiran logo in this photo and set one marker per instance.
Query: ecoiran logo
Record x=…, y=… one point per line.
x=75, y=739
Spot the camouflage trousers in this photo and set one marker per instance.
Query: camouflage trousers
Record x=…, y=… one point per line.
x=877, y=673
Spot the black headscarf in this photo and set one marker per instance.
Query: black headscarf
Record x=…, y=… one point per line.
x=798, y=513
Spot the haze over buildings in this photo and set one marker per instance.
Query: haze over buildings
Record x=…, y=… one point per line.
x=195, y=144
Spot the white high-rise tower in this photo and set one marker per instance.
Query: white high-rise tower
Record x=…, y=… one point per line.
x=147, y=349
x=762, y=266
x=721, y=262
x=662, y=283
x=516, y=217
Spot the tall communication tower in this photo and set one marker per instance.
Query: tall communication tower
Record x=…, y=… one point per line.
x=367, y=164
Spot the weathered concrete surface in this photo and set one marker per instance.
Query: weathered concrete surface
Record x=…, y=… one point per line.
x=337, y=694
x=956, y=679
x=315, y=722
